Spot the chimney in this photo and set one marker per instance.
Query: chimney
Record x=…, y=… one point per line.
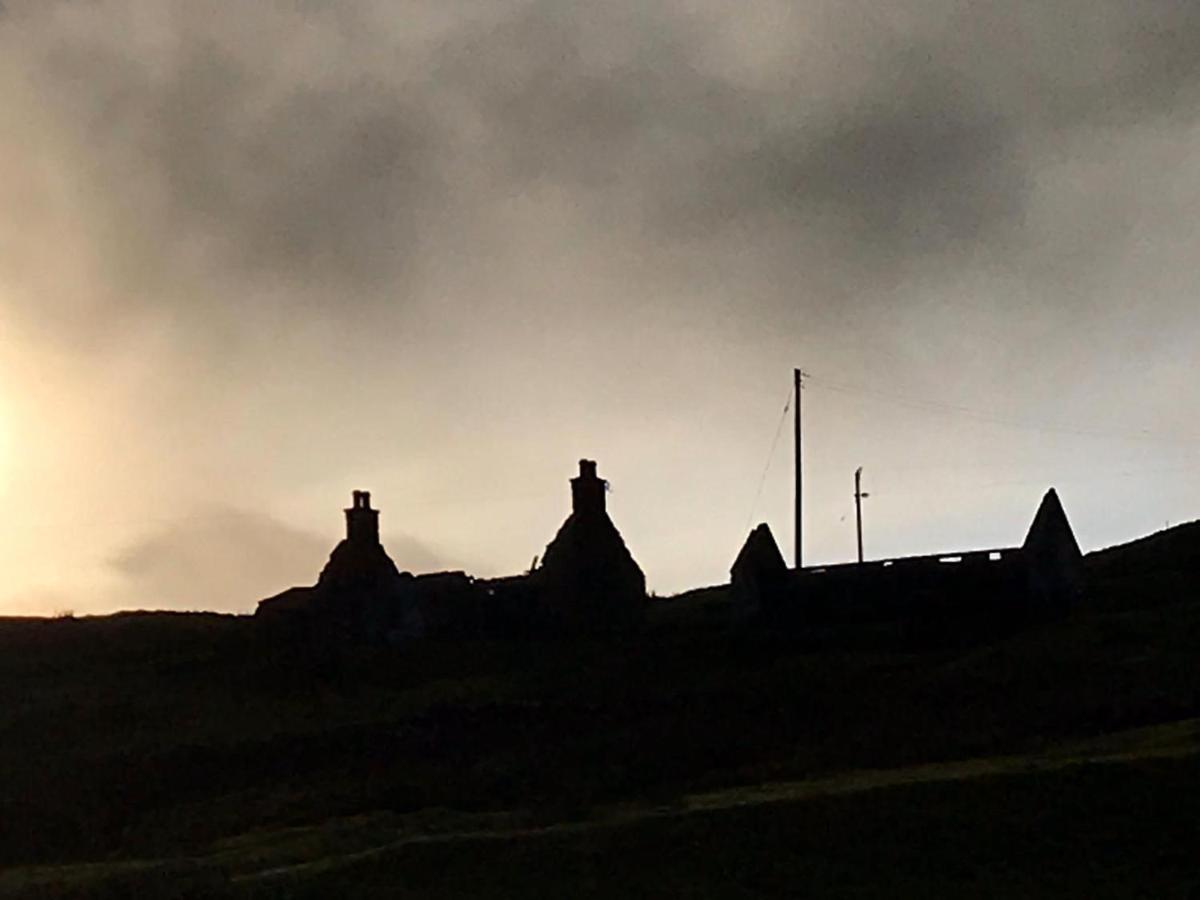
x=362, y=522
x=587, y=491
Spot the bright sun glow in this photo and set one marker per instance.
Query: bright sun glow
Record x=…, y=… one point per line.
x=4, y=445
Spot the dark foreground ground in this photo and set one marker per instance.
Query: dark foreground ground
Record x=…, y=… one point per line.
x=180, y=756
x=1121, y=828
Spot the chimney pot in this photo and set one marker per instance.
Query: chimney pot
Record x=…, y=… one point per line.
x=362, y=522
x=587, y=490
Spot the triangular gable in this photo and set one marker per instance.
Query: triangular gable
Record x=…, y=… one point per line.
x=1051, y=531
x=760, y=553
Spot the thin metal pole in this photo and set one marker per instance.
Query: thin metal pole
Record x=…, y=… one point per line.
x=858, y=495
x=797, y=385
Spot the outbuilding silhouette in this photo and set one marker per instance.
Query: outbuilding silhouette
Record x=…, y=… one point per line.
x=985, y=590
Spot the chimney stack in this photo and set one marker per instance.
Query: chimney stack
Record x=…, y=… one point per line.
x=362, y=522
x=587, y=490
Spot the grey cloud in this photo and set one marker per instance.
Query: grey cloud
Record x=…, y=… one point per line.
x=320, y=180
x=222, y=558
x=1109, y=63
x=311, y=231
x=413, y=555
x=227, y=558
x=916, y=168
x=582, y=94
x=327, y=165
x=326, y=183
x=936, y=147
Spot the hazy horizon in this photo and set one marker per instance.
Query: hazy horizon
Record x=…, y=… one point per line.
x=255, y=257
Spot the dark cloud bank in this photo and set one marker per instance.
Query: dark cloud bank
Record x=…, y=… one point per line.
x=262, y=179
x=333, y=147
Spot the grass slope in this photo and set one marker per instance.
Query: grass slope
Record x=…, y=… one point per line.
x=1104, y=818
x=163, y=755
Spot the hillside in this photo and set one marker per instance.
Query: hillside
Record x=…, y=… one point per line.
x=1161, y=568
x=883, y=833
x=159, y=754
x=169, y=738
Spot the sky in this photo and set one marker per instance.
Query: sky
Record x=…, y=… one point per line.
x=254, y=256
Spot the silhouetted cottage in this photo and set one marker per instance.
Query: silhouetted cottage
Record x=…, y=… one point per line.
x=993, y=588
x=588, y=580
x=361, y=596
x=759, y=574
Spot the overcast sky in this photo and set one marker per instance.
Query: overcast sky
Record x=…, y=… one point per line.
x=256, y=255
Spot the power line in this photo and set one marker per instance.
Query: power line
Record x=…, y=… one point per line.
x=1091, y=477
x=770, y=457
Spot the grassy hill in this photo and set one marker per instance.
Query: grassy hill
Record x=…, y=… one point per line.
x=183, y=755
x=1161, y=568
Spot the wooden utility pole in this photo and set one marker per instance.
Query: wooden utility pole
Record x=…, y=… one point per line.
x=858, y=499
x=798, y=377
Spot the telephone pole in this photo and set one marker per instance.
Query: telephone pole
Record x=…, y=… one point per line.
x=798, y=377
x=858, y=499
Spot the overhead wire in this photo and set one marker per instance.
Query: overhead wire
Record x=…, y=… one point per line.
x=770, y=457
x=961, y=411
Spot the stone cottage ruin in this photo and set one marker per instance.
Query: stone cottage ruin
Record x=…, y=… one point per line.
x=361, y=596
x=1009, y=586
x=588, y=582
x=588, y=579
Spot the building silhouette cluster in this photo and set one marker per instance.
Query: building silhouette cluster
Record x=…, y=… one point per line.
x=588, y=582
x=995, y=589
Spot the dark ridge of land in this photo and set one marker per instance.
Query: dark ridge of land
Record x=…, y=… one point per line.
x=157, y=742
x=1172, y=546
x=142, y=746
x=1159, y=569
x=1146, y=572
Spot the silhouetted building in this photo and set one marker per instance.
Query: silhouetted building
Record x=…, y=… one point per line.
x=588, y=582
x=588, y=579
x=759, y=574
x=993, y=588
x=361, y=596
